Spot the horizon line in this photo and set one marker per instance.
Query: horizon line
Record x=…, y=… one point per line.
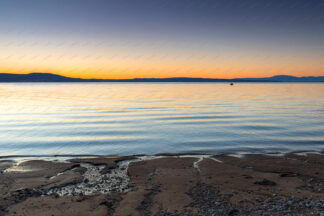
x=159, y=78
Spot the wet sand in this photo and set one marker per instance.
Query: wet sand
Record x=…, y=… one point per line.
x=250, y=184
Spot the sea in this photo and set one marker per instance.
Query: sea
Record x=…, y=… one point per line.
x=150, y=118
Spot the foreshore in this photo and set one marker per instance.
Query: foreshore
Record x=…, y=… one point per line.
x=188, y=184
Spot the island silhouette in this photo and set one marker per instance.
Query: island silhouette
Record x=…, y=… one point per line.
x=49, y=77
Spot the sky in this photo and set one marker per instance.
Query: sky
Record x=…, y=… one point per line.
x=162, y=38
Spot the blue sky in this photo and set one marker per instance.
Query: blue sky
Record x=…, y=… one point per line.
x=228, y=34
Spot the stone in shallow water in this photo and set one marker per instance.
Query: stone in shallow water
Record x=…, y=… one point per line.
x=266, y=182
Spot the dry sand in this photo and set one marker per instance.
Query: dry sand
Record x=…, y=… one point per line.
x=255, y=184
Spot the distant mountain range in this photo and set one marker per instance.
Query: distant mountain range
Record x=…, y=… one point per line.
x=48, y=77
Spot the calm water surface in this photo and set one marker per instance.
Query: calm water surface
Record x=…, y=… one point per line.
x=123, y=118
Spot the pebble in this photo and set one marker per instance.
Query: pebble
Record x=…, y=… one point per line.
x=3, y=208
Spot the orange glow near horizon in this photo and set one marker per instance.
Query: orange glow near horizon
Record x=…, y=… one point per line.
x=131, y=69
x=127, y=62
x=122, y=74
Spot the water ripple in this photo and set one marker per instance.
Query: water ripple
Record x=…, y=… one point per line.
x=153, y=118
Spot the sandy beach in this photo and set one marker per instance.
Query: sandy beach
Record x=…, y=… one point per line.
x=247, y=184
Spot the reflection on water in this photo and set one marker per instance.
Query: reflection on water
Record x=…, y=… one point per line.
x=123, y=118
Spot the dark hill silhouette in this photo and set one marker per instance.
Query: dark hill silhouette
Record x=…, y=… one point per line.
x=48, y=77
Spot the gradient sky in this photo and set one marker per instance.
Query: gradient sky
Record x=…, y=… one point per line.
x=162, y=38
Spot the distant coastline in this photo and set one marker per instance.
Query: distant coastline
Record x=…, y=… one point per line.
x=49, y=77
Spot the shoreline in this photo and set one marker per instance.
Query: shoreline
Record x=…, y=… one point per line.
x=164, y=184
x=274, y=153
